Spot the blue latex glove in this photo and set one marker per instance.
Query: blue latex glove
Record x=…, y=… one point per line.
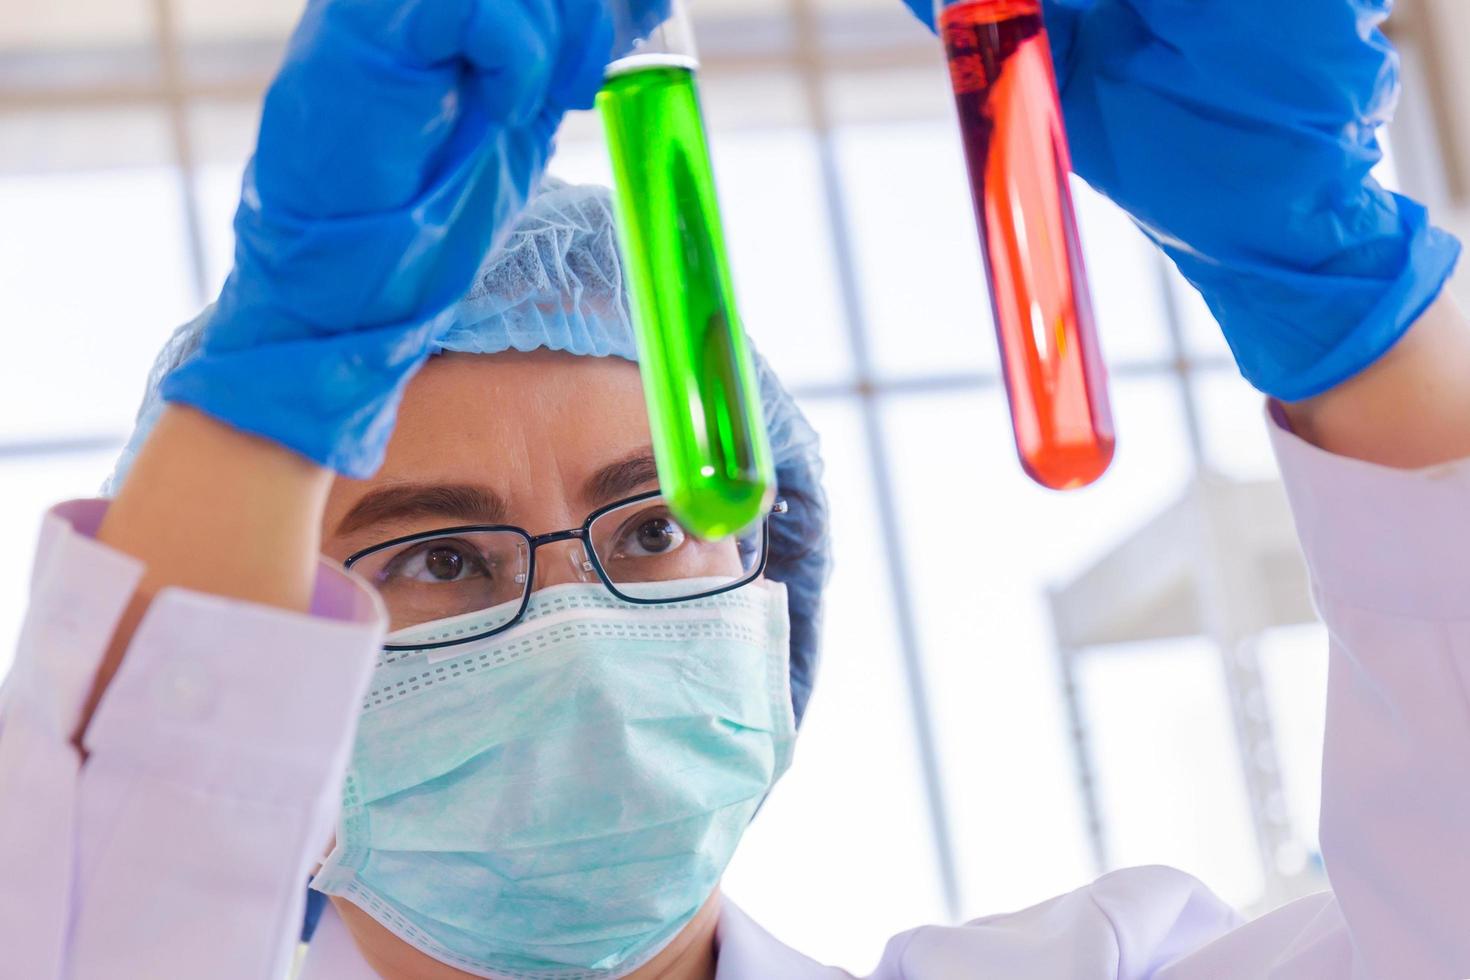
x=1239, y=135
x=398, y=142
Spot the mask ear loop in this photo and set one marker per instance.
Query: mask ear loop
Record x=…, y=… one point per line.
x=778, y=663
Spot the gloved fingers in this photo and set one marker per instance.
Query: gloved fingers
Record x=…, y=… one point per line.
x=344, y=128
x=410, y=33
x=513, y=49
x=406, y=262
x=509, y=46
x=1319, y=61
x=586, y=48
x=369, y=92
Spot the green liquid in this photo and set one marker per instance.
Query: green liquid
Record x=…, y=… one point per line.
x=704, y=408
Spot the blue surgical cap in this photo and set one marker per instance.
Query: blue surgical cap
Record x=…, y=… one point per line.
x=556, y=283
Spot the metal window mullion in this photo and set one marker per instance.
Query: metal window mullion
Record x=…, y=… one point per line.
x=176, y=100
x=1180, y=365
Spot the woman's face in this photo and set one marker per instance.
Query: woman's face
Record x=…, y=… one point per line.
x=537, y=440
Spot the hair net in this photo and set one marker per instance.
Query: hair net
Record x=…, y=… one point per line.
x=557, y=283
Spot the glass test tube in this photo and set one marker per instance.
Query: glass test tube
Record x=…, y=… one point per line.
x=704, y=407
x=1016, y=150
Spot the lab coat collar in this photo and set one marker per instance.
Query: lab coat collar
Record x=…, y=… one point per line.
x=747, y=952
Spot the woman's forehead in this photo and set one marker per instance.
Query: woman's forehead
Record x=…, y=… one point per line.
x=516, y=403
x=534, y=430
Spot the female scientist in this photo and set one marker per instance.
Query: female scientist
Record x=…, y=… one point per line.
x=523, y=737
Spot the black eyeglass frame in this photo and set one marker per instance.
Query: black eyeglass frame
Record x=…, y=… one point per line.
x=583, y=534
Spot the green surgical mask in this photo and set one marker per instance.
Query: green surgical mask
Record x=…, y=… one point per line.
x=556, y=802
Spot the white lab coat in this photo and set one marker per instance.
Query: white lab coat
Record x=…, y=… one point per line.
x=180, y=849
x=1162, y=913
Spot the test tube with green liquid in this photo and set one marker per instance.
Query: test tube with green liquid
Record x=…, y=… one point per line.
x=704, y=407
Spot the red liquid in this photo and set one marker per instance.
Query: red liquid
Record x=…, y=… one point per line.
x=1005, y=88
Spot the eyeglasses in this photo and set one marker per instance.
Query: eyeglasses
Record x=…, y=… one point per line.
x=479, y=577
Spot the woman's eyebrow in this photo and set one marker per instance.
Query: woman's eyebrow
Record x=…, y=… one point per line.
x=622, y=479
x=456, y=503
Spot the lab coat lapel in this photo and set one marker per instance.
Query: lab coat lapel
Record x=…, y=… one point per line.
x=748, y=952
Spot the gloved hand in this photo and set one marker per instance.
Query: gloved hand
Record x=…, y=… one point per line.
x=398, y=141
x=1239, y=135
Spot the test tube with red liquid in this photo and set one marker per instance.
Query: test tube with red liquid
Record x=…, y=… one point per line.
x=1016, y=151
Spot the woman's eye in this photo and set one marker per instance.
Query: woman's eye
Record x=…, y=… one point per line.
x=444, y=564
x=653, y=536
x=437, y=563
